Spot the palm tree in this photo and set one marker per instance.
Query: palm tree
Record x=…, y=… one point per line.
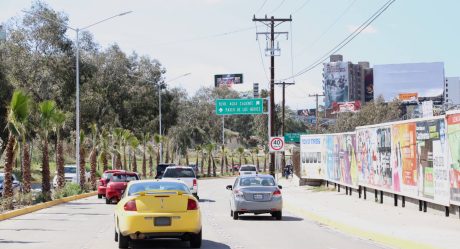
x=133, y=144
x=47, y=110
x=157, y=139
x=82, y=162
x=125, y=136
x=233, y=161
x=198, y=150
x=209, y=148
x=59, y=119
x=223, y=161
x=18, y=113
x=150, y=151
x=117, y=146
x=255, y=152
x=104, y=149
x=240, y=151
x=93, y=154
x=166, y=143
x=145, y=139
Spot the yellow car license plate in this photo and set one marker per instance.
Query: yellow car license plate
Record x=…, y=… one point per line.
x=162, y=221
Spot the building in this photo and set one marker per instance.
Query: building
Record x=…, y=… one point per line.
x=344, y=81
x=452, y=90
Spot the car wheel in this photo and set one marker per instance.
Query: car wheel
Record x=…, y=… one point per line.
x=99, y=196
x=278, y=215
x=196, y=196
x=231, y=213
x=235, y=215
x=195, y=240
x=116, y=236
x=108, y=201
x=123, y=241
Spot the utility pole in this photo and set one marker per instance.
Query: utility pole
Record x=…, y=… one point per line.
x=272, y=22
x=317, y=111
x=283, y=119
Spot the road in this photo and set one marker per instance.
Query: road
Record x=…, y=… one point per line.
x=87, y=224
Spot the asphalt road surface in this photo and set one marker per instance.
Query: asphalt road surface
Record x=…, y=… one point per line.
x=88, y=223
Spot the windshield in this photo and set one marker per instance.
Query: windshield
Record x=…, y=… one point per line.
x=248, y=168
x=257, y=181
x=147, y=186
x=1, y=178
x=107, y=175
x=124, y=178
x=70, y=170
x=179, y=173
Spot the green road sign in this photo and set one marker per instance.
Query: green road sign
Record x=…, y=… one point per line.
x=293, y=137
x=239, y=106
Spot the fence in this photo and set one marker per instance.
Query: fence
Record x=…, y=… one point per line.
x=418, y=158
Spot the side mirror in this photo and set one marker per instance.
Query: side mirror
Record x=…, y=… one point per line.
x=229, y=187
x=280, y=187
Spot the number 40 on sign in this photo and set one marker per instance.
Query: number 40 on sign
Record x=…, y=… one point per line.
x=276, y=144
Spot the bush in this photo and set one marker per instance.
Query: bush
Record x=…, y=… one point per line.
x=68, y=190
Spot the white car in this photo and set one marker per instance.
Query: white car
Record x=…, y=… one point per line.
x=248, y=169
x=185, y=174
x=70, y=175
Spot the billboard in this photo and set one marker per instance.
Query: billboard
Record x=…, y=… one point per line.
x=227, y=79
x=335, y=82
x=312, y=156
x=341, y=159
x=346, y=107
x=426, y=79
x=408, y=97
x=453, y=133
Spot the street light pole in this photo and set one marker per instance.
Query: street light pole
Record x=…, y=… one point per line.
x=77, y=72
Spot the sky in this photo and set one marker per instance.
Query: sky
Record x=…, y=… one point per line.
x=208, y=37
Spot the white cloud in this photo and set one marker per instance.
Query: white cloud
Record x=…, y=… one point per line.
x=368, y=30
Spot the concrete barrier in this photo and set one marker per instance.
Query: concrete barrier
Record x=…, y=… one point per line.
x=36, y=207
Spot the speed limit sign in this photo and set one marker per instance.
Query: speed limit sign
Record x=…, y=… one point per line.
x=276, y=144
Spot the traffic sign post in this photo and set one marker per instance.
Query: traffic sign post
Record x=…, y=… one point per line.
x=239, y=106
x=276, y=144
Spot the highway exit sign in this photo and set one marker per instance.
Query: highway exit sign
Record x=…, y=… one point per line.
x=239, y=106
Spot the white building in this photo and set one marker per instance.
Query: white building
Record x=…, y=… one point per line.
x=452, y=90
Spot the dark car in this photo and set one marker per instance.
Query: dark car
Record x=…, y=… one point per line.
x=17, y=185
x=161, y=169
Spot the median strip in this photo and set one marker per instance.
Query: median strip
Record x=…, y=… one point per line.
x=348, y=229
x=36, y=207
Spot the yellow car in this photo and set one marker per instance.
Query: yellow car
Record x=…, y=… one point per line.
x=151, y=209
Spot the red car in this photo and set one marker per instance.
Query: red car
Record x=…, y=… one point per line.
x=102, y=183
x=117, y=185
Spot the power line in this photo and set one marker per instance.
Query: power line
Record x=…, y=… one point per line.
x=263, y=4
x=275, y=9
x=347, y=40
x=301, y=7
x=328, y=28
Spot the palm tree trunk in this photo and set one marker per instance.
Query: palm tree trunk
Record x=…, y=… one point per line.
x=245, y=159
x=26, y=174
x=226, y=163
x=240, y=160
x=257, y=160
x=134, y=163
x=93, y=160
x=60, y=165
x=125, y=166
x=158, y=156
x=82, y=167
x=167, y=153
x=105, y=162
x=233, y=164
x=118, y=164
x=197, y=160
x=186, y=157
x=8, y=184
x=144, y=165
x=46, y=172
x=213, y=167
x=202, y=163
x=209, y=165
x=150, y=166
x=265, y=163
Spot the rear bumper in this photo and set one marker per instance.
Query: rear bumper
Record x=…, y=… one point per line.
x=113, y=194
x=244, y=206
x=130, y=223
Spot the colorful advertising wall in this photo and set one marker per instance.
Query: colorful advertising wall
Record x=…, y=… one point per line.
x=416, y=158
x=453, y=134
x=341, y=159
x=335, y=82
x=312, y=157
